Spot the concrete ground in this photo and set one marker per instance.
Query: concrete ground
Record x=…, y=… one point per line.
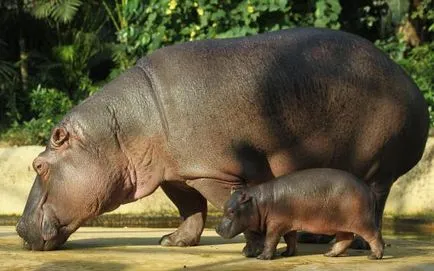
x=136, y=249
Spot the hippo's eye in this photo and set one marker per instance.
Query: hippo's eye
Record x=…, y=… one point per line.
x=231, y=212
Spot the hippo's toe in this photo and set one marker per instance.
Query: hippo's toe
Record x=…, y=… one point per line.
x=176, y=240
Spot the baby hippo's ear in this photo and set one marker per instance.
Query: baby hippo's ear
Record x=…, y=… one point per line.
x=243, y=198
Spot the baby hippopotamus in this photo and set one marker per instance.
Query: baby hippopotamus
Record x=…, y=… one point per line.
x=323, y=201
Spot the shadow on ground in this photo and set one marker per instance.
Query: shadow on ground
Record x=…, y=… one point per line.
x=138, y=241
x=80, y=265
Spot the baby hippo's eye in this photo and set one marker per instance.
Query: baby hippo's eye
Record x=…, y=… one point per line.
x=231, y=211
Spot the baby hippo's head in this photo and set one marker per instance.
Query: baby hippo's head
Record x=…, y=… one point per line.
x=237, y=216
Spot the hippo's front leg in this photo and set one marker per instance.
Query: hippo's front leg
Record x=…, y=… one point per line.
x=192, y=207
x=272, y=238
x=254, y=243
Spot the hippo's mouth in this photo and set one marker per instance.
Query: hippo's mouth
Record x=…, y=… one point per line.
x=34, y=240
x=45, y=245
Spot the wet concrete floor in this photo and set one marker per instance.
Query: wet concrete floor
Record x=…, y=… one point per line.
x=137, y=249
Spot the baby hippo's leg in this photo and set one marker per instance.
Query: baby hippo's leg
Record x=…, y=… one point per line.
x=343, y=241
x=254, y=243
x=272, y=238
x=291, y=242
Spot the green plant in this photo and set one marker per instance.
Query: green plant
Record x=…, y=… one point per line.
x=49, y=106
x=418, y=62
x=144, y=27
x=327, y=13
x=58, y=10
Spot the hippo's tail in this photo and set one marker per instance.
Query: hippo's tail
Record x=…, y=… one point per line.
x=374, y=206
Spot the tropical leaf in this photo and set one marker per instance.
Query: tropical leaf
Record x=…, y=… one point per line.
x=43, y=9
x=65, y=10
x=7, y=71
x=58, y=10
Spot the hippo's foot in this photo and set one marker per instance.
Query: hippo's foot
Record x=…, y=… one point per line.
x=288, y=252
x=359, y=243
x=252, y=251
x=330, y=254
x=192, y=207
x=265, y=256
x=254, y=244
x=334, y=254
x=306, y=237
x=374, y=256
x=178, y=240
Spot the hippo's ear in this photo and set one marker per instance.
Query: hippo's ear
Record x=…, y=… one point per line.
x=243, y=198
x=59, y=136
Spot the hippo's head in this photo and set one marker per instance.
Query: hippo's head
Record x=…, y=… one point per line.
x=77, y=179
x=74, y=182
x=106, y=152
x=238, y=215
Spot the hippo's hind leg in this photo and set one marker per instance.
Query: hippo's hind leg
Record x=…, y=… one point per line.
x=192, y=207
x=291, y=243
x=380, y=186
x=381, y=192
x=343, y=242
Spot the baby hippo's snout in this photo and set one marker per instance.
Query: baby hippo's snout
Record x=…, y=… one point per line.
x=236, y=215
x=224, y=228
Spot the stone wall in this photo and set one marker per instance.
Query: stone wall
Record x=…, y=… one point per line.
x=412, y=194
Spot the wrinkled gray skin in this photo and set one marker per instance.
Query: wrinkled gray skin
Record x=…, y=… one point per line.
x=200, y=118
x=323, y=200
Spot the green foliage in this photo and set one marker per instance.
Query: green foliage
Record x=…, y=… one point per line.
x=73, y=58
x=425, y=11
x=48, y=106
x=418, y=62
x=57, y=10
x=142, y=28
x=72, y=46
x=327, y=13
x=7, y=69
x=8, y=77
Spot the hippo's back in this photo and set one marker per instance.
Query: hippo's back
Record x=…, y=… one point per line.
x=295, y=98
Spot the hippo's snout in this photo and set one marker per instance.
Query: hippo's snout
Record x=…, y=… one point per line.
x=40, y=233
x=31, y=239
x=225, y=229
x=217, y=230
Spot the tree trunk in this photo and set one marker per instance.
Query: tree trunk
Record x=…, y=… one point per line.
x=24, y=71
x=412, y=29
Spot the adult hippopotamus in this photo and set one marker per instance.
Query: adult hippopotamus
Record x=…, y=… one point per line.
x=200, y=118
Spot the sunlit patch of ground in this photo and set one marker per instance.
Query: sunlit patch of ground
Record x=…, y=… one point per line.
x=137, y=249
